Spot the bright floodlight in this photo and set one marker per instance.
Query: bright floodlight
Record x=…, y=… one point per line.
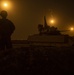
x=71, y=28
x=52, y=21
x=5, y=4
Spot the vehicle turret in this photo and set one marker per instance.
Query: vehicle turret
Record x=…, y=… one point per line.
x=46, y=29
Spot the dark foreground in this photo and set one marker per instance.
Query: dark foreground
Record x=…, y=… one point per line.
x=30, y=61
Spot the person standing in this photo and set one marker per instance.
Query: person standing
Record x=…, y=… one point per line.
x=6, y=30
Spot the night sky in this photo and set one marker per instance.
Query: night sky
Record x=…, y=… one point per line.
x=27, y=14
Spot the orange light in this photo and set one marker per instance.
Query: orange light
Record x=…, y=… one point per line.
x=71, y=28
x=5, y=4
x=52, y=21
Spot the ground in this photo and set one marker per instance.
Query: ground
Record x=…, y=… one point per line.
x=27, y=61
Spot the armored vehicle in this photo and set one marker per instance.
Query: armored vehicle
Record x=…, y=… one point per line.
x=49, y=37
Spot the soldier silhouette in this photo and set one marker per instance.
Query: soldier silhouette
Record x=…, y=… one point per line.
x=6, y=30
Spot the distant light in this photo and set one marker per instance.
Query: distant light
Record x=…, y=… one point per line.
x=52, y=21
x=71, y=28
x=5, y=4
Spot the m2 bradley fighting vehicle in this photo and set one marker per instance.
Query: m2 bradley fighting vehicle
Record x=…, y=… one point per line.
x=49, y=37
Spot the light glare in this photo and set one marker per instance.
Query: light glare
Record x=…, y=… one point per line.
x=71, y=28
x=5, y=4
x=52, y=21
